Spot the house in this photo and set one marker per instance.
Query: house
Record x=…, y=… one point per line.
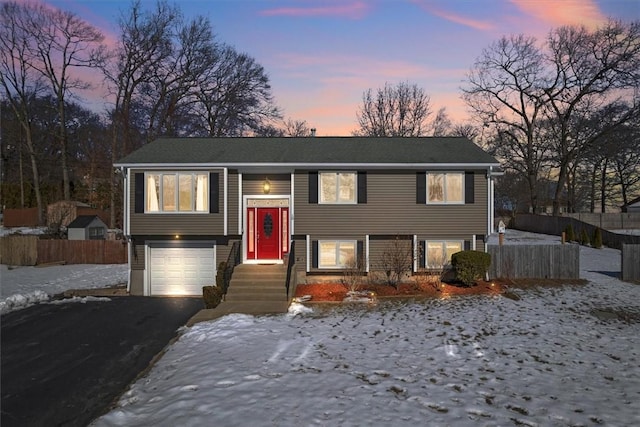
x=87, y=227
x=632, y=206
x=328, y=200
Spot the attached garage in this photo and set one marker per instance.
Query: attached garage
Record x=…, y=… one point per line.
x=181, y=269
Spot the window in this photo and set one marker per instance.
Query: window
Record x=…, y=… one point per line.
x=177, y=192
x=446, y=187
x=338, y=187
x=439, y=252
x=96, y=233
x=336, y=253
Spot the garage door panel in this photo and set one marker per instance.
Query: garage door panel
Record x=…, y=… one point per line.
x=181, y=271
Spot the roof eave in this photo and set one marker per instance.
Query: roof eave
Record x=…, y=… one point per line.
x=292, y=166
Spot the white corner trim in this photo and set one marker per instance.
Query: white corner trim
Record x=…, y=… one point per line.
x=226, y=199
x=366, y=252
x=291, y=213
x=308, y=253
x=415, y=253
x=240, y=206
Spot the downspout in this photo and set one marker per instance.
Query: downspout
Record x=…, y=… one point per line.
x=126, y=218
x=490, y=206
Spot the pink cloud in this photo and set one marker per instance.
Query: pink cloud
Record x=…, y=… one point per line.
x=566, y=12
x=354, y=10
x=453, y=17
x=326, y=90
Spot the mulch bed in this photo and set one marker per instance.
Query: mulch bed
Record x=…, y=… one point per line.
x=335, y=292
x=332, y=292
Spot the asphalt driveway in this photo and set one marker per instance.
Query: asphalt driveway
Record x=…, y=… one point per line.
x=63, y=365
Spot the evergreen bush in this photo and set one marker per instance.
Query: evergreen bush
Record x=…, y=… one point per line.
x=584, y=237
x=597, y=238
x=212, y=296
x=470, y=266
x=222, y=268
x=569, y=234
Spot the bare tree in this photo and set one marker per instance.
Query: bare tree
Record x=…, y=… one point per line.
x=234, y=95
x=441, y=125
x=62, y=42
x=296, y=128
x=468, y=131
x=142, y=47
x=21, y=84
x=592, y=70
x=506, y=92
x=400, y=110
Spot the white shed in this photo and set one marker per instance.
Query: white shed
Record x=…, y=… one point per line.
x=87, y=227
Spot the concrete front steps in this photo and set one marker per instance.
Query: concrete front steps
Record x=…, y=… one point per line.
x=257, y=283
x=254, y=290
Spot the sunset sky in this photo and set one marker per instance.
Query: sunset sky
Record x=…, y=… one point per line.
x=322, y=55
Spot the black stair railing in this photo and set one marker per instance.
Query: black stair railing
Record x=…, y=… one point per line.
x=232, y=260
x=290, y=263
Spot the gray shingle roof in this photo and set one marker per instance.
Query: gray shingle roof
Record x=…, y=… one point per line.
x=309, y=151
x=82, y=221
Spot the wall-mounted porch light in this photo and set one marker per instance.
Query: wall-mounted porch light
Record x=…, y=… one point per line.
x=266, y=186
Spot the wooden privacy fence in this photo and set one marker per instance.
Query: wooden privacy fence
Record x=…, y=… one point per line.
x=30, y=250
x=534, y=261
x=19, y=250
x=630, y=262
x=555, y=225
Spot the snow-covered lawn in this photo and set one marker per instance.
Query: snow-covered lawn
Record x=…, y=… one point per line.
x=24, y=286
x=543, y=360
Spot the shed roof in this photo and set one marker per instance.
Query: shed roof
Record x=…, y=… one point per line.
x=309, y=151
x=83, y=221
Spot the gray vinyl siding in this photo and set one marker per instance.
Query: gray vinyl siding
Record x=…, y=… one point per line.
x=183, y=224
x=232, y=201
x=280, y=184
x=391, y=209
x=138, y=257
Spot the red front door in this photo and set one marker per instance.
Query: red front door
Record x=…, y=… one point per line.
x=268, y=233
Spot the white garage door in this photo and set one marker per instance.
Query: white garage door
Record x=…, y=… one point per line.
x=181, y=271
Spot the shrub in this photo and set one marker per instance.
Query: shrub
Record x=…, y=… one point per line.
x=353, y=274
x=397, y=260
x=222, y=268
x=569, y=234
x=470, y=266
x=212, y=296
x=584, y=237
x=597, y=238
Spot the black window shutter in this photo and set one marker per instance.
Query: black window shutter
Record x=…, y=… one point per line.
x=423, y=254
x=314, y=253
x=139, y=199
x=313, y=187
x=467, y=245
x=362, y=187
x=469, y=195
x=214, y=196
x=360, y=254
x=421, y=188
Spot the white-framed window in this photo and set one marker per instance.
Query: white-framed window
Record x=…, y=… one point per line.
x=336, y=253
x=177, y=192
x=338, y=187
x=445, y=187
x=438, y=252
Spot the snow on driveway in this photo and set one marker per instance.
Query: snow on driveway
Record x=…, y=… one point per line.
x=23, y=286
x=544, y=360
